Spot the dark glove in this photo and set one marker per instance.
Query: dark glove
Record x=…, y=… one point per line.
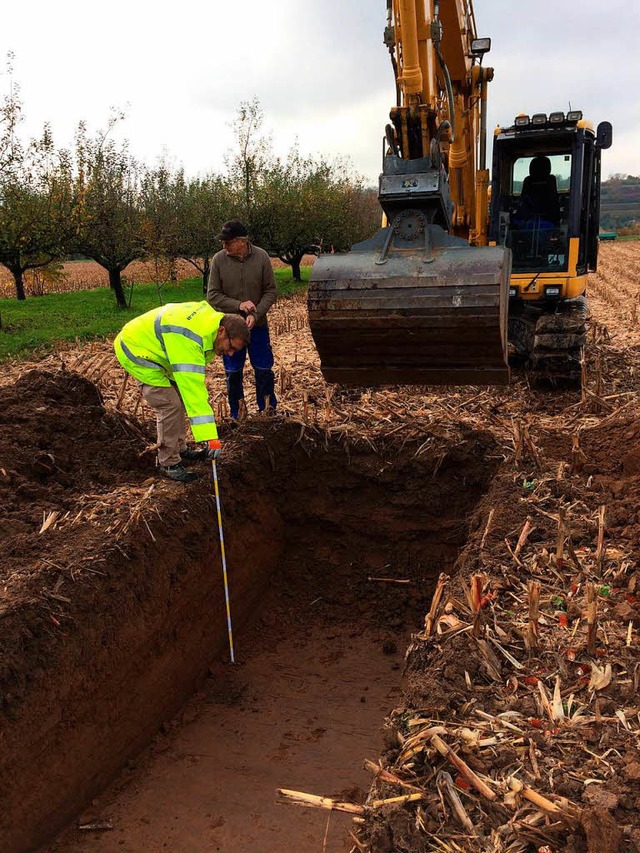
x=213, y=448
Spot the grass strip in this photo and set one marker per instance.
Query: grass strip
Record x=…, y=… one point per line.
x=34, y=326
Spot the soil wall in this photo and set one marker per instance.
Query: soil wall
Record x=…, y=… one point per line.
x=104, y=634
x=129, y=665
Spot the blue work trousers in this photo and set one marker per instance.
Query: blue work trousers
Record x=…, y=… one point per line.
x=261, y=358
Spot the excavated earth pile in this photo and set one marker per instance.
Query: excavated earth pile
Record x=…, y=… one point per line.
x=517, y=736
x=112, y=603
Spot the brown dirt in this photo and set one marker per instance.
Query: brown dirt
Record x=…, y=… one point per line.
x=108, y=628
x=105, y=630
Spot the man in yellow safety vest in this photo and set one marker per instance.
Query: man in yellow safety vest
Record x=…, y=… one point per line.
x=167, y=350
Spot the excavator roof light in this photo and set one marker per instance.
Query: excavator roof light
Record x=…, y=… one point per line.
x=521, y=121
x=574, y=115
x=556, y=118
x=480, y=46
x=539, y=118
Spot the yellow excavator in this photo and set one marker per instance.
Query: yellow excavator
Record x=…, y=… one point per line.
x=432, y=297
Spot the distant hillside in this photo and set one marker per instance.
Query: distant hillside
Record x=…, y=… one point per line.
x=619, y=202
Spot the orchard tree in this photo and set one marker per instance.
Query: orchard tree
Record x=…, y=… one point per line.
x=185, y=215
x=306, y=205
x=158, y=191
x=38, y=207
x=296, y=205
x=113, y=228
x=10, y=118
x=205, y=205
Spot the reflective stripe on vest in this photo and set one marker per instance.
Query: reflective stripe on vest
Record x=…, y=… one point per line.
x=188, y=368
x=182, y=330
x=136, y=359
x=157, y=328
x=202, y=419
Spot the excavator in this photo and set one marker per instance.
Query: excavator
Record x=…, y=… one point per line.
x=465, y=271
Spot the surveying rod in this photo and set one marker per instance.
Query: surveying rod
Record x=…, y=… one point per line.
x=224, y=560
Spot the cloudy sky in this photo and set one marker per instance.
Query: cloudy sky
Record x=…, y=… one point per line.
x=318, y=68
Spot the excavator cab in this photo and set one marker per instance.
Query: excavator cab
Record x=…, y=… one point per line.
x=545, y=206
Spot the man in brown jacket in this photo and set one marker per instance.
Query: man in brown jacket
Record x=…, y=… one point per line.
x=241, y=281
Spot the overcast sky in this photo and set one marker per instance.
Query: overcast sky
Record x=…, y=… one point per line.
x=318, y=68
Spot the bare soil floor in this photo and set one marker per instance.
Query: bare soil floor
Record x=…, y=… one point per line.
x=513, y=717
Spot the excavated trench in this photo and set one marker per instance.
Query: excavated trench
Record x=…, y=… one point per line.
x=332, y=553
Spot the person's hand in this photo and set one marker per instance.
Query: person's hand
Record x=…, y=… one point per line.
x=248, y=307
x=213, y=448
x=250, y=321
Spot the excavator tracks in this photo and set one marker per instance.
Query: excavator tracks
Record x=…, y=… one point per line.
x=555, y=343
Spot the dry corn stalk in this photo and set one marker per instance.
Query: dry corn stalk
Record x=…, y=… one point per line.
x=601, y=548
x=477, y=586
x=387, y=776
x=298, y=798
x=560, y=540
x=578, y=456
x=445, y=782
x=532, y=635
x=592, y=618
x=524, y=535
x=123, y=388
x=434, y=611
x=487, y=529
x=463, y=768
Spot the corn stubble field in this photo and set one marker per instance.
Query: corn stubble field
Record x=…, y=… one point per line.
x=519, y=723
x=88, y=275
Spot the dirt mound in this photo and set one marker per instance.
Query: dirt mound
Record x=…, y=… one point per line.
x=57, y=444
x=612, y=459
x=527, y=711
x=57, y=441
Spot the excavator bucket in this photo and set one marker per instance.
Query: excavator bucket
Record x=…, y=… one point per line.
x=412, y=309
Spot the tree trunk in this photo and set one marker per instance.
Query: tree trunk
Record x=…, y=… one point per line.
x=115, y=283
x=295, y=268
x=205, y=276
x=19, y=282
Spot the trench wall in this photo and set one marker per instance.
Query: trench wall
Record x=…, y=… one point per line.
x=132, y=662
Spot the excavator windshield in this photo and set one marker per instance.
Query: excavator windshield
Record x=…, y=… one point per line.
x=534, y=207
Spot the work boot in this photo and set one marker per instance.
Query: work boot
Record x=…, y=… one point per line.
x=178, y=472
x=193, y=454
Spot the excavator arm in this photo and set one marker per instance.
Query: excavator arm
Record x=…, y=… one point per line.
x=424, y=300
x=442, y=95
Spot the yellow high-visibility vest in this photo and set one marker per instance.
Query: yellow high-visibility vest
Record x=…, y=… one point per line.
x=172, y=344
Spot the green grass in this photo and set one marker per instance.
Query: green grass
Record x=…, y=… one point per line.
x=32, y=328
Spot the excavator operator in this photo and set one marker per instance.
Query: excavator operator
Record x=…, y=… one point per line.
x=539, y=199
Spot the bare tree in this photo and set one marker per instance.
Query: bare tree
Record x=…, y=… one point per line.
x=252, y=157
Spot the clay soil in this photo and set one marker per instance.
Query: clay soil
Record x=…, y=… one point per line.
x=112, y=611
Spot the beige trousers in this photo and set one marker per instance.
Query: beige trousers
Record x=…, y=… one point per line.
x=170, y=421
